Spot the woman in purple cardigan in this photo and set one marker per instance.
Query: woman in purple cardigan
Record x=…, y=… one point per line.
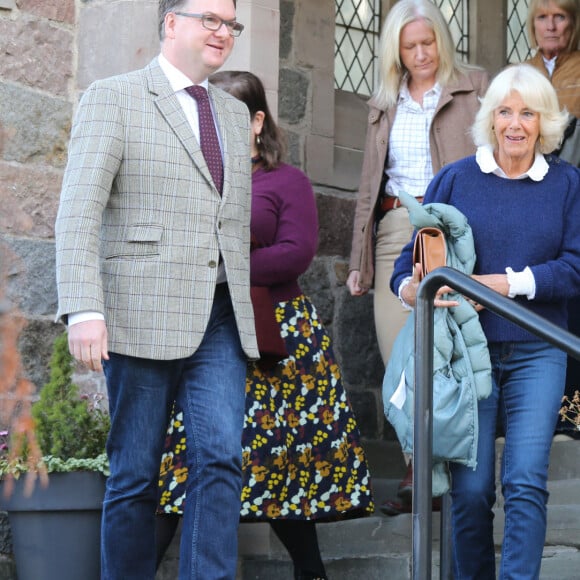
x=302, y=458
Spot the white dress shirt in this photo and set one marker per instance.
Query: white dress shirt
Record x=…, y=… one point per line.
x=409, y=166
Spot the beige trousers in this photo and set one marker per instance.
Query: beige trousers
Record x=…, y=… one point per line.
x=394, y=231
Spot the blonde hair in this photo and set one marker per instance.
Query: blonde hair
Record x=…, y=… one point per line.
x=571, y=7
x=391, y=69
x=537, y=93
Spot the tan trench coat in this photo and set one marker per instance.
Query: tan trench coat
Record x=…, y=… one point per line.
x=449, y=139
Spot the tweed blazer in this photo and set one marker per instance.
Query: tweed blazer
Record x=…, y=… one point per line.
x=449, y=140
x=141, y=227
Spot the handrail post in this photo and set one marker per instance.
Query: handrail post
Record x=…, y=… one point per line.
x=423, y=431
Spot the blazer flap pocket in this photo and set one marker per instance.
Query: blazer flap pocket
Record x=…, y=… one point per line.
x=144, y=233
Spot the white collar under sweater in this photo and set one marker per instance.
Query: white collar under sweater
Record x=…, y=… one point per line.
x=488, y=164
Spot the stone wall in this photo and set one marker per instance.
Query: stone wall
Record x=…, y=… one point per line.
x=36, y=62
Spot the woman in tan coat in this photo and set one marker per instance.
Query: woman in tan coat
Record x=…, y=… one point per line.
x=554, y=30
x=418, y=122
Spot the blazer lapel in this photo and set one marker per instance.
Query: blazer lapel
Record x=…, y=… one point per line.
x=171, y=110
x=223, y=125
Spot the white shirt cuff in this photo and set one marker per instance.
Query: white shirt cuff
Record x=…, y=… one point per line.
x=77, y=317
x=406, y=281
x=521, y=283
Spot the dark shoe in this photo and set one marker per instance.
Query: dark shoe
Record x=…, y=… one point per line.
x=301, y=575
x=395, y=507
x=405, y=489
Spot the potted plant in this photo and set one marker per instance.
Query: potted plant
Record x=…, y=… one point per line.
x=56, y=523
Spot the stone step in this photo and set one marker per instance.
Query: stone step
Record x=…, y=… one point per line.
x=386, y=460
x=562, y=492
x=379, y=546
x=557, y=564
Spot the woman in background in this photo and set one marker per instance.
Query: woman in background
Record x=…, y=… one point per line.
x=418, y=122
x=554, y=30
x=302, y=458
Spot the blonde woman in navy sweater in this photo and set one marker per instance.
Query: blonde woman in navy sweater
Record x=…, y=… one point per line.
x=523, y=206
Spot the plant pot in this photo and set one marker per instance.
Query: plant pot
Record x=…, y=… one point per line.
x=56, y=531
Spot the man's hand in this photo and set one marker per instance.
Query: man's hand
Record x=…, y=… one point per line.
x=87, y=342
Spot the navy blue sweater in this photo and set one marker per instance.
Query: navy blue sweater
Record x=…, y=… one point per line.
x=516, y=223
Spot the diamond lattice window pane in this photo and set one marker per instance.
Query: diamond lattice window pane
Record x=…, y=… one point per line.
x=356, y=44
x=518, y=46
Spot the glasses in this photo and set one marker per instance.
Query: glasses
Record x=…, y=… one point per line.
x=212, y=22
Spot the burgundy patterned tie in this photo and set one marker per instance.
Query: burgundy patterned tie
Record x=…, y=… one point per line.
x=210, y=145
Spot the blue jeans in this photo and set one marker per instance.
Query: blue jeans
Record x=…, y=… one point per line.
x=210, y=386
x=528, y=383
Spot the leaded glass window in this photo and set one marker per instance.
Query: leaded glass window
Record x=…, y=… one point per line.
x=518, y=47
x=356, y=40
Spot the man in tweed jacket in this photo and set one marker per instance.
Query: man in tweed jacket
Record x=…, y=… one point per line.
x=153, y=279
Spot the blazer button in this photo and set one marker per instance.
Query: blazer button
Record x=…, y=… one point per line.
x=212, y=264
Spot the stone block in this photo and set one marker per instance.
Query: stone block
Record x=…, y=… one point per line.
x=130, y=27
x=31, y=284
x=341, y=271
x=34, y=128
x=293, y=96
x=322, y=102
x=355, y=336
x=36, y=53
x=315, y=283
x=58, y=10
x=347, y=165
x=35, y=346
x=351, y=120
x=319, y=160
x=262, y=38
x=335, y=217
x=30, y=197
x=286, y=28
x=367, y=412
x=294, y=148
x=314, y=34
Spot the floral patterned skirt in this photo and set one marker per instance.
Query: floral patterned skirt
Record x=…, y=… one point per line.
x=301, y=451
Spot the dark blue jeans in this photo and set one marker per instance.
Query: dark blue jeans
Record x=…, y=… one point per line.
x=210, y=388
x=528, y=383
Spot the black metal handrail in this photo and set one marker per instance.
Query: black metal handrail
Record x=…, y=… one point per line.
x=423, y=419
